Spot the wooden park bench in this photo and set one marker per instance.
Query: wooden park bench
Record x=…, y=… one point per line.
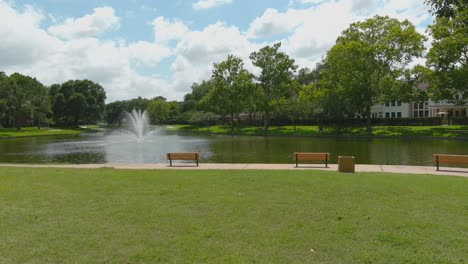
x=312, y=156
x=449, y=159
x=183, y=156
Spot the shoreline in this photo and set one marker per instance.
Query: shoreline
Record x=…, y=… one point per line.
x=271, y=133
x=400, y=169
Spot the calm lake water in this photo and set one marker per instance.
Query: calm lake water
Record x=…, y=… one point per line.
x=118, y=147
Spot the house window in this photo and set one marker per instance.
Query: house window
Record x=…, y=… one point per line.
x=393, y=114
x=398, y=114
x=426, y=113
x=398, y=103
x=415, y=113
x=387, y=104
x=393, y=103
x=387, y=114
x=380, y=114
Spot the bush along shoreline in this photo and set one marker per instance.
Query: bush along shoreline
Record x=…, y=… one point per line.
x=457, y=131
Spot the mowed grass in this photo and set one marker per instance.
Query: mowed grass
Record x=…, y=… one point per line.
x=382, y=131
x=233, y=216
x=35, y=132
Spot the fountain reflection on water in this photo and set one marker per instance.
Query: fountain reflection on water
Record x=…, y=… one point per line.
x=137, y=124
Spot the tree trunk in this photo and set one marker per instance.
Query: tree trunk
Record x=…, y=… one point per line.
x=368, y=121
x=266, y=120
x=232, y=123
x=17, y=123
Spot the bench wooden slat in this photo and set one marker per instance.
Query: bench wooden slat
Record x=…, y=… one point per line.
x=449, y=159
x=312, y=156
x=183, y=156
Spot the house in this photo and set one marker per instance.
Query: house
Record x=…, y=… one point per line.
x=429, y=108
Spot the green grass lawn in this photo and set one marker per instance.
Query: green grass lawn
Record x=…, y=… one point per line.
x=234, y=216
x=34, y=131
x=385, y=131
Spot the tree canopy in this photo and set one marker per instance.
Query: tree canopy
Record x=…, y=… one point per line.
x=78, y=100
x=232, y=85
x=448, y=55
x=277, y=69
x=368, y=61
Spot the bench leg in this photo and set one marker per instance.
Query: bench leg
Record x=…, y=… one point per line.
x=297, y=165
x=326, y=162
x=170, y=163
x=437, y=161
x=197, y=162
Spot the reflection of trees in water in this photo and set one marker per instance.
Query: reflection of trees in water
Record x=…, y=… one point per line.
x=366, y=151
x=79, y=158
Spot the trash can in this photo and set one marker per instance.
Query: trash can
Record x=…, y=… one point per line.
x=346, y=164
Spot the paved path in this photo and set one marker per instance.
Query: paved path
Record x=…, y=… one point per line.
x=238, y=166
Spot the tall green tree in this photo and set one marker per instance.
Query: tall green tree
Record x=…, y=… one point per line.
x=23, y=96
x=158, y=110
x=114, y=112
x=78, y=100
x=447, y=58
x=447, y=8
x=368, y=61
x=191, y=100
x=277, y=70
x=231, y=85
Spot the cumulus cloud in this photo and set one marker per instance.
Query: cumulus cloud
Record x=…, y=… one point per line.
x=273, y=23
x=24, y=42
x=92, y=25
x=312, y=31
x=31, y=50
x=74, y=50
x=207, y=4
x=165, y=29
x=198, y=50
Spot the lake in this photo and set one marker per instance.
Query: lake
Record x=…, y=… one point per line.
x=118, y=147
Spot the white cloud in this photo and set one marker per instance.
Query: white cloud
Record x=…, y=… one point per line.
x=311, y=1
x=25, y=42
x=198, y=50
x=310, y=32
x=207, y=4
x=73, y=50
x=30, y=50
x=147, y=53
x=165, y=30
x=273, y=23
x=102, y=19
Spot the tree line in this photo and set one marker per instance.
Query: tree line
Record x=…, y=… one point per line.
x=24, y=101
x=369, y=63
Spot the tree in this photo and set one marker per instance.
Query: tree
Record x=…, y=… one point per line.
x=114, y=112
x=448, y=55
x=78, y=100
x=158, y=110
x=368, y=61
x=276, y=75
x=23, y=96
x=231, y=85
x=447, y=8
x=192, y=99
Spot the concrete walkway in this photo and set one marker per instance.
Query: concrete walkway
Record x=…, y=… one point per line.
x=451, y=171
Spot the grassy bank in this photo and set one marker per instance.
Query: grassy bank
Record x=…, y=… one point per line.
x=35, y=132
x=123, y=216
x=384, y=131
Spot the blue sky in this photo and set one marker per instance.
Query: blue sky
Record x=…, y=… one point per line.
x=151, y=48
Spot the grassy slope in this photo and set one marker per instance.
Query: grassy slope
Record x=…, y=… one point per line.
x=123, y=216
x=34, y=131
x=389, y=131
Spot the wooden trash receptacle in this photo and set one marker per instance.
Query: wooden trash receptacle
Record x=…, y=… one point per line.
x=346, y=164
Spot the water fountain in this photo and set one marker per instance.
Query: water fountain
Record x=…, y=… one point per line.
x=137, y=123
